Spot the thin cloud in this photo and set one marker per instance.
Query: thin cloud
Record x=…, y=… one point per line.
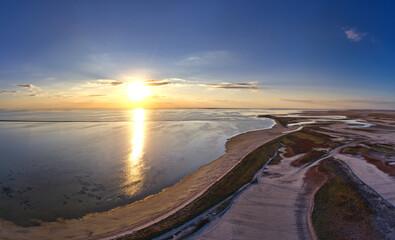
x=225, y=85
x=60, y=96
x=108, y=82
x=97, y=95
x=372, y=100
x=37, y=94
x=155, y=83
x=298, y=100
x=26, y=86
x=353, y=35
x=205, y=58
x=342, y=101
x=163, y=82
x=10, y=92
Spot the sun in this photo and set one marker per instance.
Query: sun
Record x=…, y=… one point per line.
x=138, y=91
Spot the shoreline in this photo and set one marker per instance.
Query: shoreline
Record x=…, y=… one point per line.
x=118, y=222
x=124, y=222
x=230, y=144
x=281, y=203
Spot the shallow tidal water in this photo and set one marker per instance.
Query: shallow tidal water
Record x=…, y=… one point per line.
x=67, y=163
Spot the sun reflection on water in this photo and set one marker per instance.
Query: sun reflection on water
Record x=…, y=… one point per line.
x=135, y=160
x=138, y=136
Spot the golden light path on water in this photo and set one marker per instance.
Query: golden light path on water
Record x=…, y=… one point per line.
x=135, y=163
x=138, y=136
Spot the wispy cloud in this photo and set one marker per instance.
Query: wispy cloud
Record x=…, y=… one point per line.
x=373, y=101
x=10, y=92
x=26, y=85
x=60, y=96
x=163, y=82
x=107, y=82
x=353, y=35
x=341, y=102
x=97, y=95
x=155, y=83
x=205, y=58
x=298, y=100
x=241, y=85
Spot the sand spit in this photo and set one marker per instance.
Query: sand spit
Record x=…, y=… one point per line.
x=126, y=219
x=276, y=207
x=384, y=210
x=279, y=206
x=265, y=210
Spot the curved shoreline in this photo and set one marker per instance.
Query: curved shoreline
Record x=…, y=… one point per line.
x=127, y=219
x=272, y=208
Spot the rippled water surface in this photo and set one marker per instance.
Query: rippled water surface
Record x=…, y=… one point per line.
x=64, y=164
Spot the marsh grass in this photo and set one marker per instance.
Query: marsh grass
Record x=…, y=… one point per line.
x=340, y=212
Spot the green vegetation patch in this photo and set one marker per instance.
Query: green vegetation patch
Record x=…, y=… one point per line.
x=355, y=150
x=381, y=165
x=276, y=160
x=243, y=173
x=317, y=138
x=308, y=158
x=382, y=148
x=374, y=154
x=340, y=212
x=325, y=168
x=304, y=141
x=370, y=149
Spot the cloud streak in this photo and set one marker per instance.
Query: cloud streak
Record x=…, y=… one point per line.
x=163, y=82
x=353, y=35
x=109, y=82
x=342, y=101
x=9, y=92
x=205, y=58
x=240, y=85
x=26, y=85
x=105, y=82
x=155, y=83
x=97, y=95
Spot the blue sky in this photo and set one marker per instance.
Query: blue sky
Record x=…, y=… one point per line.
x=316, y=54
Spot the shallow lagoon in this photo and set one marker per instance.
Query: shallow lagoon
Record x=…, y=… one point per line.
x=65, y=164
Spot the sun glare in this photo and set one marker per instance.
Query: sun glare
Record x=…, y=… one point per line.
x=138, y=91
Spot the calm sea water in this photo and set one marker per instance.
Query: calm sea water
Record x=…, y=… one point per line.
x=67, y=163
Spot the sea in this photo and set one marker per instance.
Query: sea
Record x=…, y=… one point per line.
x=66, y=163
